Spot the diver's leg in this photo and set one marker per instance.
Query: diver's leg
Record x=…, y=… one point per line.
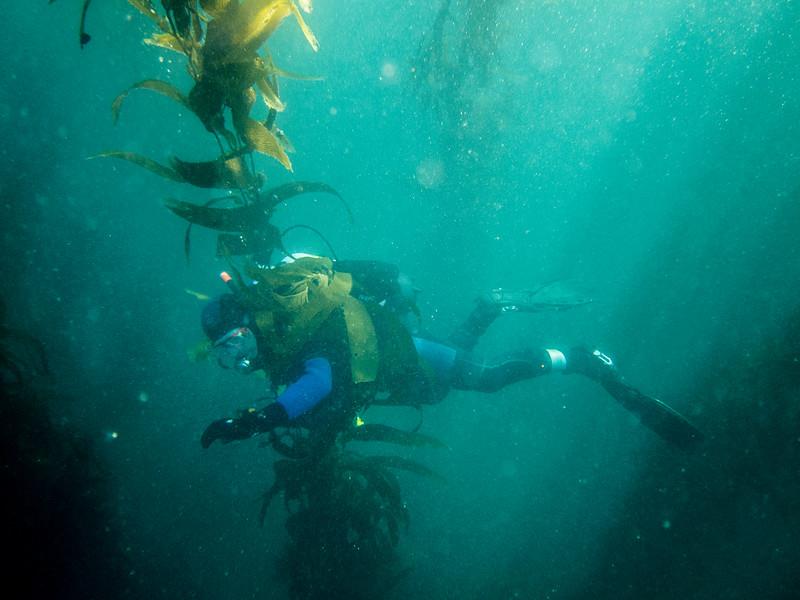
x=661, y=418
x=493, y=303
x=466, y=335
x=473, y=373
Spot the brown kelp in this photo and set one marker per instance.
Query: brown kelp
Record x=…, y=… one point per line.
x=345, y=509
x=247, y=227
x=455, y=57
x=222, y=42
x=83, y=37
x=452, y=77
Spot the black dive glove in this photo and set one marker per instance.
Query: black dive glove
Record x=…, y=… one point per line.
x=247, y=424
x=592, y=364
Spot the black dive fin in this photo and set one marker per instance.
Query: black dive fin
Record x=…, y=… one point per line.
x=655, y=415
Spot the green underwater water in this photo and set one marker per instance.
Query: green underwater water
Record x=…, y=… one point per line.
x=647, y=152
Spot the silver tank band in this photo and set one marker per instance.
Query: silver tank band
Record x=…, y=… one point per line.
x=558, y=362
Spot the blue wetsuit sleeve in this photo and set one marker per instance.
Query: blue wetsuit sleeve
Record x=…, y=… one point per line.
x=310, y=388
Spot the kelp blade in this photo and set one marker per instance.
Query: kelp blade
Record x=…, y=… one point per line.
x=144, y=162
x=221, y=219
x=170, y=42
x=397, y=462
x=155, y=85
x=83, y=37
x=146, y=8
x=239, y=31
x=310, y=37
x=230, y=173
x=214, y=8
x=281, y=193
x=264, y=141
x=270, y=96
x=252, y=217
x=377, y=432
x=243, y=244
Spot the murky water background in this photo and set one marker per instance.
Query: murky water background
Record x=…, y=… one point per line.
x=649, y=153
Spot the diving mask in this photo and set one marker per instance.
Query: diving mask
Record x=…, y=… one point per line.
x=237, y=350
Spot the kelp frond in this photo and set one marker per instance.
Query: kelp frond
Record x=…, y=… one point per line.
x=377, y=432
x=155, y=85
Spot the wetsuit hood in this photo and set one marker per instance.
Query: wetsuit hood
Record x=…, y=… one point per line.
x=222, y=314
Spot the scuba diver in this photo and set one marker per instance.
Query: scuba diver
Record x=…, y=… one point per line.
x=336, y=337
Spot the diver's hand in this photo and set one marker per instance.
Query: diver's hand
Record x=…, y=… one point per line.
x=247, y=424
x=228, y=430
x=591, y=363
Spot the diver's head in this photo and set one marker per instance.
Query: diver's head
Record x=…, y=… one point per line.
x=228, y=325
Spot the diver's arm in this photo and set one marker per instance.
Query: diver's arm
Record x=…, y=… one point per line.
x=309, y=389
x=297, y=399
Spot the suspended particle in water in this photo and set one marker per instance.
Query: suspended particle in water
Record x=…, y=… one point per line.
x=144, y=397
x=111, y=436
x=666, y=524
x=430, y=173
x=389, y=72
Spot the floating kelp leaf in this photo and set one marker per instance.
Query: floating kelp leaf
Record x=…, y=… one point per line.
x=285, y=142
x=312, y=40
x=287, y=479
x=214, y=8
x=187, y=237
x=264, y=141
x=291, y=75
x=262, y=241
x=240, y=105
x=241, y=30
x=146, y=8
x=382, y=482
x=169, y=41
x=179, y=14
x=156, y=85
x=199, y=295
x=84, y=37
x=225, y=173
x=377, y=432
x=143, y=161
x=251, y=218
x=270, y=95
x=405, y=464
x=221, y=219
x=271, y=69
x=283, y=192
x=207, y=99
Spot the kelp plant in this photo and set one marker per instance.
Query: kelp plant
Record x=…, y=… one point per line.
x=452, y=77
x=345, y=511
x=223, y=42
